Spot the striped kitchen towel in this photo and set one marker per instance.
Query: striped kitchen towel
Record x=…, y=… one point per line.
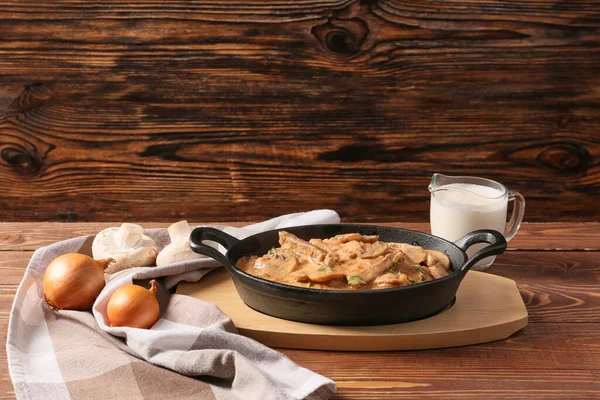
x=193, y=351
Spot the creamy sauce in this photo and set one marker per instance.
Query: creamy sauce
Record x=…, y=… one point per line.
x=346, y=262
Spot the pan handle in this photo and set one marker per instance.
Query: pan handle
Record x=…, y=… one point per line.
x=494, y=238
x=200, y=234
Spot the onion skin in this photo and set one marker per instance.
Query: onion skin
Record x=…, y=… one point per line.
x=133, y=306
x=73, y=281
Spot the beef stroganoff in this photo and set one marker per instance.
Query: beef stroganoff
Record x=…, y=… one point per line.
x=349, y=261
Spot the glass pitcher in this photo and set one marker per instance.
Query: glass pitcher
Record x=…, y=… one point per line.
x=462, y=204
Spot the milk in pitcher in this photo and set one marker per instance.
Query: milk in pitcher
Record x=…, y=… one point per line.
x=460, y=208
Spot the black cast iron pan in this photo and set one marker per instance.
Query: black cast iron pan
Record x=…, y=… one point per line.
x=347, y=307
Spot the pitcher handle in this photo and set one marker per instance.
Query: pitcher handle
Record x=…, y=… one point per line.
x=517, y=214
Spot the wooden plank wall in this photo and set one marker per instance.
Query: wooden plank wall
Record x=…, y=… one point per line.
x=241, y=110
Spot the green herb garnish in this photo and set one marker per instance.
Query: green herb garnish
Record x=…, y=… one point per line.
x=356, y=280
x=421, y=269
x=273, y=251
x=422, y=275
x=325, y=268
x=410, y=280
x=392, y=270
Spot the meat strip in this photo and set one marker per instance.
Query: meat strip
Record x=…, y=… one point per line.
x=323, y=273
x=347, y=251
x=347, y=237
x=331, y=258
x=438, y=264
x=299, y=276
x=373, y=271
x=299, y=246
x=415, y=272
x=392, y=280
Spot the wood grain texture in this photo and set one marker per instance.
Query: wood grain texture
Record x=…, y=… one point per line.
x=492, y=383
x=531, y=236
x=224, y=111
x=452, y=382
x=555, y=357
x=556, y=286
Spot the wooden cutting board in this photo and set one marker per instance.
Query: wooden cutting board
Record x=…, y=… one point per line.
x=487, y=308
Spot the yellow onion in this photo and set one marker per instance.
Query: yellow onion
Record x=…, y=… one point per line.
x=73, y=281
x=133, y=306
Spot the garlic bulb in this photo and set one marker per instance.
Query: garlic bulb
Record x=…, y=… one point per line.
x=127, y=245
x=179, y=249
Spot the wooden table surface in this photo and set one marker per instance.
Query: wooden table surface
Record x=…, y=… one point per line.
x=557, y=269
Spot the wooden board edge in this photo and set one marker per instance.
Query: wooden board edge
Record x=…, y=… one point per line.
x=384, y=342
